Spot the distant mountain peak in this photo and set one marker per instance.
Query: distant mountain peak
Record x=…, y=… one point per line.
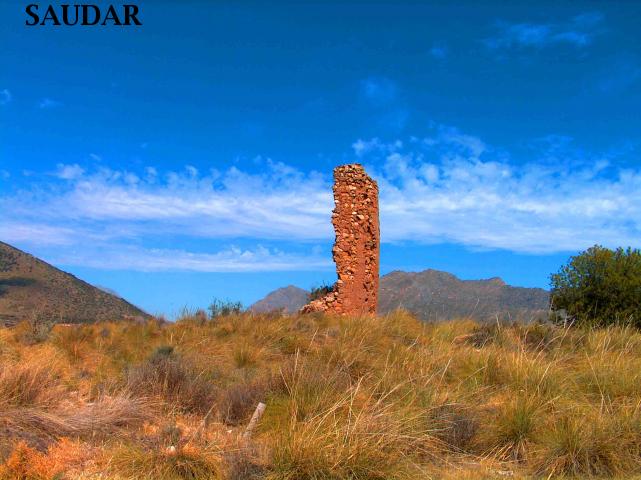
x=287, y=299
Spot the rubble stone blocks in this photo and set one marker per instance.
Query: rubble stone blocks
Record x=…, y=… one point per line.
x=357, y=245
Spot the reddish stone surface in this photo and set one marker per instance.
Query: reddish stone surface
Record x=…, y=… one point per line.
x=357, y=245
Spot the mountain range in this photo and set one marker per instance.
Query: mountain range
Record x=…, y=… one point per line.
x=434, y=295
x=31, y=289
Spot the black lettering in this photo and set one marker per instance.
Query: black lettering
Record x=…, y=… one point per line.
x=50, y=15
x=111, y=15
x=85, y=15
x=32, y=14
x=65, y=15
x=82, y=14
x=131, y=15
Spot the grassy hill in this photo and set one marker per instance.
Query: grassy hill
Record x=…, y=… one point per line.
x=360, y=398
x=33, y=290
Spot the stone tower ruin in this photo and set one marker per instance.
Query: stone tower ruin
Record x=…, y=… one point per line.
x=357, y=245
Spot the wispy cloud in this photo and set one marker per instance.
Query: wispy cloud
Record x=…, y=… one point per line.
x=439, y=51
x=384, y=102
x=69, y=172
x=232, y=259
x=225, y=204
x=47, y=103
x=5, y=97
x=34, y=232
x=379, y=90
x=447, y=186
x=479, y=201
x=578, y=32
x=620, y=74
x=362, y=147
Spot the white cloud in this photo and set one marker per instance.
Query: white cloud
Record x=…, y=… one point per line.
x=449, y=186
x=46, y=103
x=578, y=32
x=69, y=172
x=521, y=208
x=456, y=142
x=5, y=97
x=4, y=175
x=130, y=178
x=32, y=232
x=229, y=204
x=362, y=147
x=232, y=259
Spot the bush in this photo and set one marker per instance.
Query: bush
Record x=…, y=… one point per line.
x=316, y=293
x=223, y=308
x=600, y=286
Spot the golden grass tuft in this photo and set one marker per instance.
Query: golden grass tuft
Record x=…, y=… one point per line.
x=188, y=462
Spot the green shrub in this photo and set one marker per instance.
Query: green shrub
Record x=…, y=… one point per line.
x=600, y=286
x=316, y=293
x=223, y=308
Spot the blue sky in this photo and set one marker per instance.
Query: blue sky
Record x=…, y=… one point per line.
x=191, y=158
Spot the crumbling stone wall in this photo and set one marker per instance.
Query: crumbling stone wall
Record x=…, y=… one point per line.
x=357, y=245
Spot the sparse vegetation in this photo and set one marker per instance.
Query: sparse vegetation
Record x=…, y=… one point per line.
x=33, y=290
x=320, y=291
x=367, y=398
x=223, y=308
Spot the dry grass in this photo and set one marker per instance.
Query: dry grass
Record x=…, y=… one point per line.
x=135, y=462
x=168, y=376
x=360, y=399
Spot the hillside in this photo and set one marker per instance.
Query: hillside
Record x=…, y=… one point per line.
x=433, y=295
x=436, y=295
x=287, y=299
x=31, y=289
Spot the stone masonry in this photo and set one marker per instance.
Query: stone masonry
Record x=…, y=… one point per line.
x=357, y=244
